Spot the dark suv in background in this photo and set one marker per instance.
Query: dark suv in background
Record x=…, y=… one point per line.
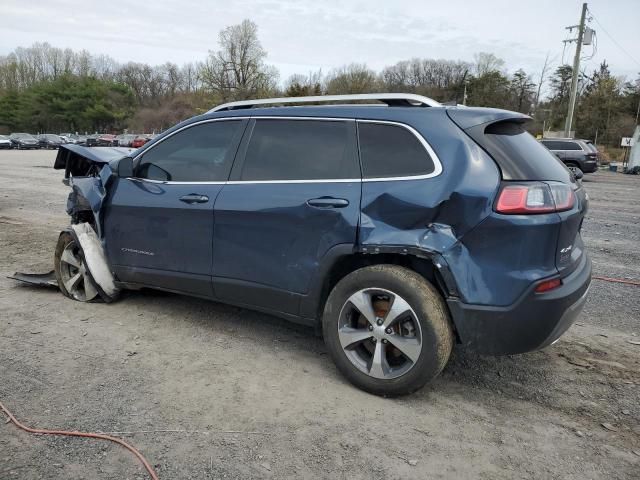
x=574, y=153
x=397, y=230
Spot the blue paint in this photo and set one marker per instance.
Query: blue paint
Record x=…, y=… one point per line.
x=264, y=246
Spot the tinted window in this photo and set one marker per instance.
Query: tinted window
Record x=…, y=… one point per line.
x=518, y=154
x=587, y=147
x=197, y=154
x=569, y=146
x=300, y=150
x=551, y=145
x=391, y=151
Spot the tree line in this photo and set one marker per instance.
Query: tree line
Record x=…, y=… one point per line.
x=44, y=88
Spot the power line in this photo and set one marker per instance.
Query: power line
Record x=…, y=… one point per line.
x=613, y=39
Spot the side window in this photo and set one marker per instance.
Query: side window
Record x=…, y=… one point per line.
x=391, y=151
x=569, y=146
x=202, y=153
x=300, y=150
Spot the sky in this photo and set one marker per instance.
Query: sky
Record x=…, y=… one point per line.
x=301, y=36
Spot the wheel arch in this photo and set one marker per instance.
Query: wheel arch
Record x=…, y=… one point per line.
x=344, y=259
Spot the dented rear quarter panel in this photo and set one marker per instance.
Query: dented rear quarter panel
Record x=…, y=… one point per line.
x=433, y=215
x=491, y=258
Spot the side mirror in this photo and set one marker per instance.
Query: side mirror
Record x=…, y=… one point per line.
x=125, y=167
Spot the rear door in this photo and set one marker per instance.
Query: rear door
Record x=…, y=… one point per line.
x=294, y=193
x=159, y=224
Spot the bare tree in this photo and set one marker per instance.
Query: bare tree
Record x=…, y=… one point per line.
x=543, y=75
x=354, y=78
x=487, y=63
x=237, y=70
x=298, y=85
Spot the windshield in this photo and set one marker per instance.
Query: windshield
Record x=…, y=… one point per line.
x=50, y=136
x=24, y=136
x=4, y=137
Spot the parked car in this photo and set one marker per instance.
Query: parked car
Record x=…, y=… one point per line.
x=139, y=141
x=575, y=154
x=81, y=140
x=49, y=140
x=5, y=142
x=24, y=141
x=91, y=140
x=106, y=140
x=395, y=231
x=125, y=140
x=593, y=148
x=69, y=138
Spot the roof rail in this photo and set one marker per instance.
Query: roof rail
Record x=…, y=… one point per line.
x=391, y=99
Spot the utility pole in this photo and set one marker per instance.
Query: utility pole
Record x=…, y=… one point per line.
x=576, y=72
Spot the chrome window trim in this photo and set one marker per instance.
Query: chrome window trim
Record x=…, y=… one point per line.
x=436, y=160
x=437, y=165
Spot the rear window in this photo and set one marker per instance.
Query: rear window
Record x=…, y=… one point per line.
x=300, y=150
x=388, y=151
x=518, y=154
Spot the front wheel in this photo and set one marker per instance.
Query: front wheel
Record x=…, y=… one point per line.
x=387, y=329
x=71, y=270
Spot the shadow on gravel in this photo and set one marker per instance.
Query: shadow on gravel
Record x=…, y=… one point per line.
x=519, y=376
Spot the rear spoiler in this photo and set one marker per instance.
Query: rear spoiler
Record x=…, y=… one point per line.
x=502, y=134
x=77, y=161
x=467, y=118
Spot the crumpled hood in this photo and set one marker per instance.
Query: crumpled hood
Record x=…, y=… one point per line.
x=76, y=160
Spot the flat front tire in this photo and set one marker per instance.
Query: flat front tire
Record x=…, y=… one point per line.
x=387, y=329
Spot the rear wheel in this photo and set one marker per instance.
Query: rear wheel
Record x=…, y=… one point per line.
x=73, y=277
x=387, y=329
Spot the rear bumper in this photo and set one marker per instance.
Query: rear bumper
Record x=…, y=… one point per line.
x=589, y=166
x=533, y=322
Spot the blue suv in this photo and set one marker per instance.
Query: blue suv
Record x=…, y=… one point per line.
x=396, y=229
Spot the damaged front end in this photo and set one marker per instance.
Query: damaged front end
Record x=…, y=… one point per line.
x=81, y=268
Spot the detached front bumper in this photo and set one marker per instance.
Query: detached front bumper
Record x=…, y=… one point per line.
x=535, y=321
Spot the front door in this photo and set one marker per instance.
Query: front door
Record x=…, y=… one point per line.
x=159, y=224
x=294, y=193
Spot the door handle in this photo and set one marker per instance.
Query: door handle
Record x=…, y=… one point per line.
x=328, y=202
x=194, y=198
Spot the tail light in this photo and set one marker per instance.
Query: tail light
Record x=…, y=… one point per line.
x=534, y=197
x=548, y=285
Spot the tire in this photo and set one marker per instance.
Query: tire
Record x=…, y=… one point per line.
x=74, y=280
x=424, y=330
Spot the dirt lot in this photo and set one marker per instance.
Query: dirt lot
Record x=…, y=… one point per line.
x=255, y=397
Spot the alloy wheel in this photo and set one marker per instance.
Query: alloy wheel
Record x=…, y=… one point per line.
x=380, y=333
x=74, y=275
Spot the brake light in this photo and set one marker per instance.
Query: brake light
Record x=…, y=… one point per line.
x=535, y=197
x=548, y=285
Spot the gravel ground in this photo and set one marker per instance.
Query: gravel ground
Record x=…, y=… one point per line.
x=210, y=391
